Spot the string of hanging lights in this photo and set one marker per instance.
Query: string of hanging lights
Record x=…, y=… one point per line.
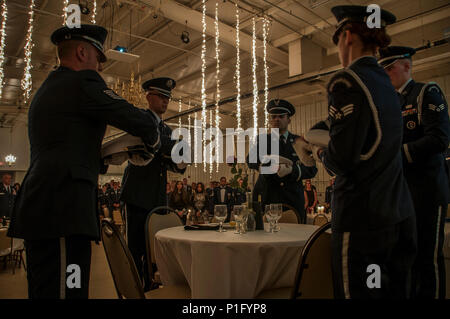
x=27, y=81
x=94, y=13
x=238, y=71
x=203, y=57
x=2, y=44
x=64, y=15
x=217, y=116
x=266, y=72
x=255, y=81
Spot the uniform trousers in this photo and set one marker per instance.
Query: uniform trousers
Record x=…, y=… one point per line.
x=58, y=268
x=136, y=222
x=392, y=249
x=429, y=267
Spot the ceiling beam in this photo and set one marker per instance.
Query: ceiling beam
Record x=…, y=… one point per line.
x=193, y=19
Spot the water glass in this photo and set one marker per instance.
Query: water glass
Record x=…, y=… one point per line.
x=276, y=210
x=269, y=218
x=220, y=213
x=238, y=214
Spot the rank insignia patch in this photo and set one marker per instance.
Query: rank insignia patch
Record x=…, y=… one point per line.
x=113, y=94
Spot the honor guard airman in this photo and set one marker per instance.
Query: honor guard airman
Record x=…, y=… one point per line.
x=284, y=186
x=56, y=207
x=144, y=187
x=373, y=216
x=425, y=140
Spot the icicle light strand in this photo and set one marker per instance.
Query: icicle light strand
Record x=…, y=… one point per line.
x=266, y=72
x=27, y=81
x=179, y=111
x=2, y=44
x=217, y=116
x=94, y=12
x=238, y=71
x=203, y=57
x=64, y=15
x=255, y=81
x=211, y=164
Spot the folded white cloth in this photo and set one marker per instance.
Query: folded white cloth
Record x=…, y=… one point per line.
x=284, y=170
x=303, y=150
x=123, y=148
x=318, y=137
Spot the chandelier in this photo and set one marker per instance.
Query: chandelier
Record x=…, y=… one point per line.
x=131, y=91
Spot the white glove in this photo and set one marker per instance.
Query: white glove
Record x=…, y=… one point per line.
x=303, y=150
x=315, y=149
x=318, y=137
x=284, y=170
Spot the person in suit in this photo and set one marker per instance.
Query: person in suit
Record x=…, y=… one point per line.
x=114, y=198
x=223, y=195
x=103, y=201
x=240, y=193
x=373, y=223
x=285, y=185
x=56, y=208
x=7, y=196
x=426, y=133
x=144, y=187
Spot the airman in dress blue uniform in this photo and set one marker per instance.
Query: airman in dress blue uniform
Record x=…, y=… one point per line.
x=373, y=216
x=144, y=187
x=426, y=132
x=56, y=207
x=284, y=186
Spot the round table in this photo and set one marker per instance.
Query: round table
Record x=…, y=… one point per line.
x=228, y=265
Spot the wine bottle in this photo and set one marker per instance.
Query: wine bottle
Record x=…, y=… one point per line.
x=251, y=221
x=258, y=214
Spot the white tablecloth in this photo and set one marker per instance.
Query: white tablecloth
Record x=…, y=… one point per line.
x=228, y=265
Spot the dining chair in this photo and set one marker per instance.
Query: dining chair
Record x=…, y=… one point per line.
x=289, y=217
x=124, y=271
x=320, y=220
x=5, y=246
x=288, y=208
x=161, y=217
x=313, y=279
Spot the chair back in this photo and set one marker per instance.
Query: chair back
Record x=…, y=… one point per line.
x=289, y=217
x=287, y=208
x=123, y=270
x=314, y=274
x=117, y=217
x=5, y=242
x=159, y=218
x=320, y=220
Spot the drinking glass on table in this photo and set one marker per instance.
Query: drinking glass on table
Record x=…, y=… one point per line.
x=238, y=214
x=269, y=218
x=220, y=213
x=276, y=210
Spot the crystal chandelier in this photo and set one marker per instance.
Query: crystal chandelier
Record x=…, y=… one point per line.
x=131, y=91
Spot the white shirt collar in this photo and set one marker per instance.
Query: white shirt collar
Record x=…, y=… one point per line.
x=400, y=90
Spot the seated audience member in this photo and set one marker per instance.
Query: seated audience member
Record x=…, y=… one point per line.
x=310, y=197
x=240, y=195
x=223, y=195
x=179, y=200
x=328, y=195
x=200, y=201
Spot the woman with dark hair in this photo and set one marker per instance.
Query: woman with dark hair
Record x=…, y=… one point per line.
x=310, y=193
x=179, y=200
x=373, y=237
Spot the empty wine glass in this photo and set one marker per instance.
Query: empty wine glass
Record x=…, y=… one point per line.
x=220, y=213
x=276, y=210
x=237, y=213
x=269, y=218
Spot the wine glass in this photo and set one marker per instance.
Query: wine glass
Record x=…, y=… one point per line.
x=269, y=217
x=276, y=210
x=237, y=213
x=220, y=213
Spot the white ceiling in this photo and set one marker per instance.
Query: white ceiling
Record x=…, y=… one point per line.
x=156, y=39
